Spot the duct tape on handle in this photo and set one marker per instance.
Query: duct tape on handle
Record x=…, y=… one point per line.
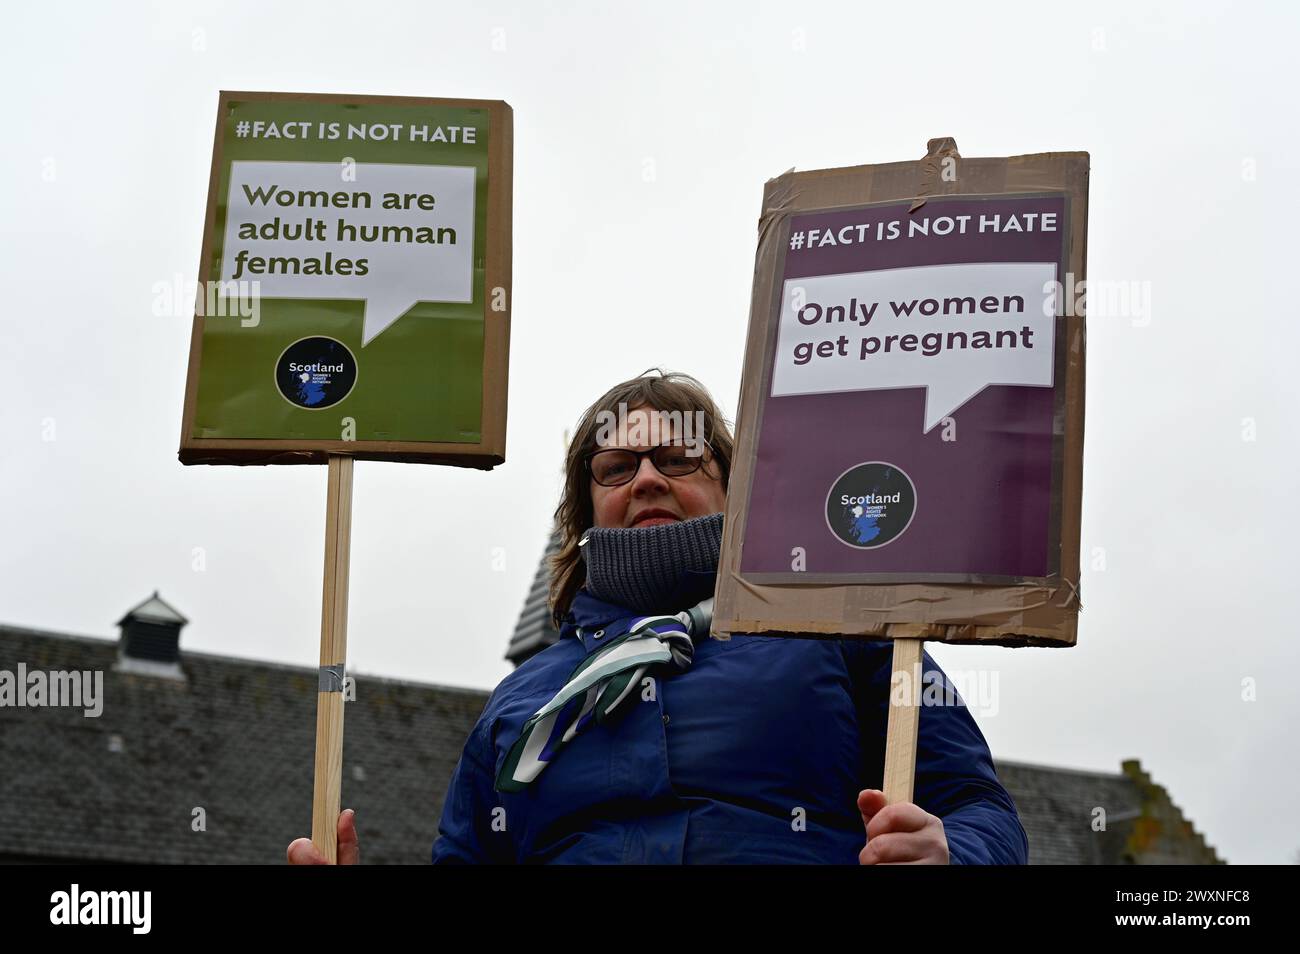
x=331, y=678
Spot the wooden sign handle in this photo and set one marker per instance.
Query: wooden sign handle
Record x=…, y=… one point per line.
x=904, y=720
x=333, y=656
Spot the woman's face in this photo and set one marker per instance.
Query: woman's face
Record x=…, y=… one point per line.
x=650, y=499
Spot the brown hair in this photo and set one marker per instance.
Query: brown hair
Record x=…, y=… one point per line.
x=671, y=391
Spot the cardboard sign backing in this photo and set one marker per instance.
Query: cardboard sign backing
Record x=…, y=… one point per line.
x=910, y=426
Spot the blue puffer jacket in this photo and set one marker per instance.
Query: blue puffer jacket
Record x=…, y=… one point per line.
x=716, y=767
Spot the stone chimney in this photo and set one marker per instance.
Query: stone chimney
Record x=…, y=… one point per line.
x=151, y=639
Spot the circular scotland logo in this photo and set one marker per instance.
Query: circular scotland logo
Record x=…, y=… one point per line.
x=316, y=372
x=871, y=504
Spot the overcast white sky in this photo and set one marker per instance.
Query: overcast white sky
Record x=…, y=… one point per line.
x=1188, y=113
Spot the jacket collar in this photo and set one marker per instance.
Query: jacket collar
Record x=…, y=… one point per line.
x=590, y=616
x=594, y=622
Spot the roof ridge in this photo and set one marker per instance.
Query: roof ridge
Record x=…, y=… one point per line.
x=246, y=660
x=29, y=631
x=1062, y=769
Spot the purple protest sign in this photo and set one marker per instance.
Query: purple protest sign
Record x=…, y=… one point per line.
x=911, y=416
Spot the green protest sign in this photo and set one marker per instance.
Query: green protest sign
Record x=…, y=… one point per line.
x=353, y=302
x=354, y=283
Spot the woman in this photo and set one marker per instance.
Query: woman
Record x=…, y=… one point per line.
x=638, y=739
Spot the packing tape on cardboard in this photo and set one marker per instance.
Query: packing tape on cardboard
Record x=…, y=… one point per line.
x=941, y=158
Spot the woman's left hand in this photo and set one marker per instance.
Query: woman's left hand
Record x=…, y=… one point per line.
x=902, y=833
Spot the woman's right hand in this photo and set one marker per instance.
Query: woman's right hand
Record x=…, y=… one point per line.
x=303, y=852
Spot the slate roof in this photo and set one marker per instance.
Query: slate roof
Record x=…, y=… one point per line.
x=1059, y=810
x=237, y=738
x=1056, y=808
x=534, y=631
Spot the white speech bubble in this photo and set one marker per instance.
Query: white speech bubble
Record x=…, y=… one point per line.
x=953, y=375
x=398, y=273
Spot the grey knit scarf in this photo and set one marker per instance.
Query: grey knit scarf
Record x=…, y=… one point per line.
x=649, y=570
x=659, y=569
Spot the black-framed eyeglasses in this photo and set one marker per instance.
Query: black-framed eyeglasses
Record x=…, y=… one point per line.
x=615, y=466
